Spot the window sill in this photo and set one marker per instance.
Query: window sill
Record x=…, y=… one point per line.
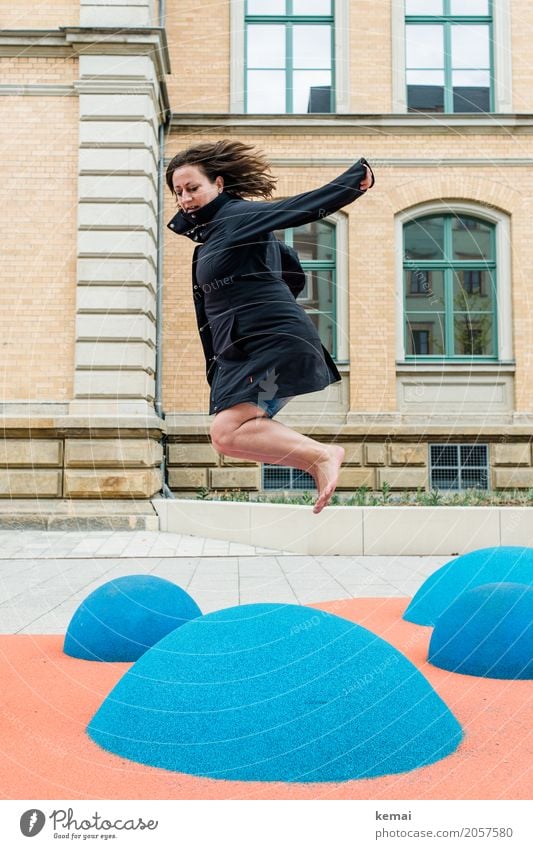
x=449, y=367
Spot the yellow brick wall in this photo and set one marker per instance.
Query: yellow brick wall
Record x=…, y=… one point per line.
x=372, y=320
x=38, y=198
x=41, y=70
x=44, y=14
x=521, y=40
x=370, y=37
x=199, y=46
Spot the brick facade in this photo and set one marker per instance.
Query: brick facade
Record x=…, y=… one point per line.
x=80, y=116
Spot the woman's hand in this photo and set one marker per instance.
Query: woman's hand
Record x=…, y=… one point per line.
x=366, y=182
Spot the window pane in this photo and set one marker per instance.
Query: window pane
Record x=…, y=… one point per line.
x=473, y=335
x=266, y=91
x=473, y=455
x=473, y=291
x=312, y=46
x=311, y=7
x=266, y=7
x=424, y=290
x=469, y=7
x=311, y=91
x=470, y=46
x=318, y=293
x=426, y=333
x=471, y=91
x=425, y=91
x=471, y=238
x=424, y=46
x=315, y=241
x=424, y=238
x=423, y=7
x=266, y=46
x=445, y=479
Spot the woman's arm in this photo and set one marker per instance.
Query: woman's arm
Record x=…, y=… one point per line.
x=254, y=218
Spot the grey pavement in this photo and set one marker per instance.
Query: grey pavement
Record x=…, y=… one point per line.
x=45, y=575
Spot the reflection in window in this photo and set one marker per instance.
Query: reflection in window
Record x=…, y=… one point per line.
x=289, y=56
x=450, y=287
x=448, y=63
x=315, y=246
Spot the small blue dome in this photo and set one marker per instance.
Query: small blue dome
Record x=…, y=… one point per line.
x=272, y=692
x=485, y=566
x=123, y=618
x=487, y=631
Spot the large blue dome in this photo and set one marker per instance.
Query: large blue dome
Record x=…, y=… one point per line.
x=271, y=692
x=487, y=631
x=484, y=566
x=124, y=617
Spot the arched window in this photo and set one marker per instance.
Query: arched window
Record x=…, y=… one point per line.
x=315, y=244
x=450, y=288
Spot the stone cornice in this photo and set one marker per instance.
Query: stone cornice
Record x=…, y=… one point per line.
x=76, y=41
x=69, y=42
x=382, y=124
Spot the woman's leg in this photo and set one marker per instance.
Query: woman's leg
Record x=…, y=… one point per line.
x=245, y=431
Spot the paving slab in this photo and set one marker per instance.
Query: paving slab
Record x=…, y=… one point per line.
x=44, y=575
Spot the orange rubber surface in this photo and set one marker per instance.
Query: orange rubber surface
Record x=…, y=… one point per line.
x=47, y=699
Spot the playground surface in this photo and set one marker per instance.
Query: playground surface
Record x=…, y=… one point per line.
x=48, y=697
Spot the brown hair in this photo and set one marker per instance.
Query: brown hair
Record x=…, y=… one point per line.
x=246, y=172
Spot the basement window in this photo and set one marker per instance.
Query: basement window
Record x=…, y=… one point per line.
x=285, y=477
x=459, y=467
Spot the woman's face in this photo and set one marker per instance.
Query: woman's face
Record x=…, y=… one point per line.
x=193, y=188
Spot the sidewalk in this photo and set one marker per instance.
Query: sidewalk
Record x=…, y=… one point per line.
x=44, y=575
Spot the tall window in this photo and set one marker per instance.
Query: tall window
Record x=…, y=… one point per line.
x=450, y=287
x=449, y=55
x=315, y=245
x=289, y=56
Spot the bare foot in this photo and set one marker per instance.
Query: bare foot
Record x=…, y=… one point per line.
x=326, y=474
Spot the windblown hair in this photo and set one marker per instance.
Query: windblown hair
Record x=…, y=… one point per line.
x=246, y=172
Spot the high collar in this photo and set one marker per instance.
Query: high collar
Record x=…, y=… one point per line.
x=185, y=223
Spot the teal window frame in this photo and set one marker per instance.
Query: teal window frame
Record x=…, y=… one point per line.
x=448, y=266
x=289, y=20
x=319, y=265
x=448, y=20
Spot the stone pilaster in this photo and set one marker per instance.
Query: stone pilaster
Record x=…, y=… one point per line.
x=112, y=13
x=121, y=109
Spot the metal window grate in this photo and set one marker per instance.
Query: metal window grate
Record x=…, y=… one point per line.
x=285, y=477
x=459, y=467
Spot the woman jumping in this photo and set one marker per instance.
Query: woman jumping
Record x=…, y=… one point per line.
x=260, y=346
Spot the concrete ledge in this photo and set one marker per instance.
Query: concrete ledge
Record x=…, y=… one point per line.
x=350, y=530
x=73, y=515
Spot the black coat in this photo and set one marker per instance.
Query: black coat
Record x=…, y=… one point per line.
x=259, y=344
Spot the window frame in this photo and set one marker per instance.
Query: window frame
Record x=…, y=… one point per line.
x=321, y=265
x=503, y=313
x=501, y=61
x=340, y=58
x=447, y=21
x=288, y=21
x=459, y=466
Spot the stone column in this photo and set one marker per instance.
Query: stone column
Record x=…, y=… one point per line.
x=120, y=113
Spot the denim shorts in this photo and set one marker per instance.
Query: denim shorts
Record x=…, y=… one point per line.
x=274, y=405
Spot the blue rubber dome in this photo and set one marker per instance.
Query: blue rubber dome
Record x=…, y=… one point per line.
x=487, y=631
x=123, y=618
x=272, y=692
x=509, y=563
